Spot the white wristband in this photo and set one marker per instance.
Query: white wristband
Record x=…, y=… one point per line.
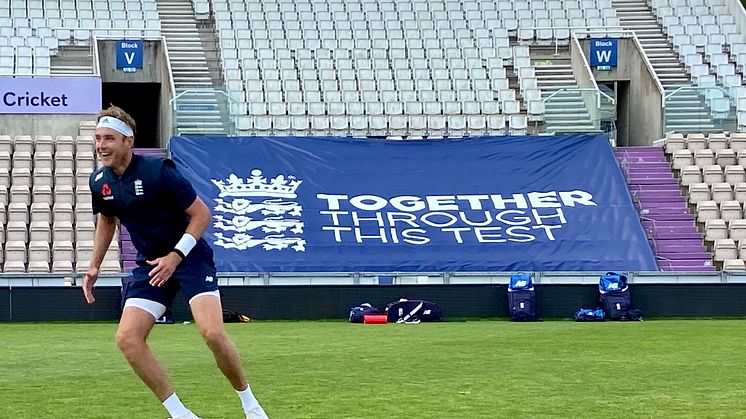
x=185, y=245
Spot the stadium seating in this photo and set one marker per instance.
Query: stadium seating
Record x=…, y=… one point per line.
x=32, y=31
x=400, y=67
x=715, y=182
x=47, y=219
x=380, y=68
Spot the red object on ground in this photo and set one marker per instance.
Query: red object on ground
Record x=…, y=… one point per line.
x=375, y=319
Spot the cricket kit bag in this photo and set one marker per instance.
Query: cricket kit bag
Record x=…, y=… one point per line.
x=230, y=316
x=589, y=315
x=521, y=298
x=614, y=294
x=412, y=311
x=357, y=313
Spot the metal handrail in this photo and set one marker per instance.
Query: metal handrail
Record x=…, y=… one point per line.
x=587, y=67
x=170, y=73
x=142, y=30
x=590, y=30
x=685, y=87
x=581, y=89
x=200, y=90
x=96, y=63
x=230, y=100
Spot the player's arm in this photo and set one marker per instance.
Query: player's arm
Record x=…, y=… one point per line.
x=105, y=228
x=199, y=218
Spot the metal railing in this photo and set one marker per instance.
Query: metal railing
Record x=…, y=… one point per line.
x=722, y=107
x=395, y=278
x=572, y=31
x=593, y=98
x=229, y=105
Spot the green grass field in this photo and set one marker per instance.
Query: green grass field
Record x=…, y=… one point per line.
x=475, y=369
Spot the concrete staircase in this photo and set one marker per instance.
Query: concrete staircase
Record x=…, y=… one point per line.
x=565, y=111
x=687, y=110
x=72, y=60
x=199, y=109
x=639, y=17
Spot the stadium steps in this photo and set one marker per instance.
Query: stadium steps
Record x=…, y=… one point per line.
x=565, y=111
x=685, y=114
x=638, y=16
x=72, y=59
x=682, y=115
x=198, y=112
x=670, y=226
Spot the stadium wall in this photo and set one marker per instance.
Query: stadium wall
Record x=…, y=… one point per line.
x=42, y=124
x=645, y=111
x=156, y=70
x=334, y=302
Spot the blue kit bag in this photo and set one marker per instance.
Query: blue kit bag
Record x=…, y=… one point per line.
x=614, y=295
x=522, y=298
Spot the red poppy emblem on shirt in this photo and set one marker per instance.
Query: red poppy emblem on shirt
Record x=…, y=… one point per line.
x=105, y=190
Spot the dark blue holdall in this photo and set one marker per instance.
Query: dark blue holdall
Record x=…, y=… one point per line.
x=357, y=313
x=522, y=298
x=412, y=311
x=615, y=297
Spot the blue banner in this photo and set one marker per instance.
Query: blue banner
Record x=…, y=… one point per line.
x=293, y=204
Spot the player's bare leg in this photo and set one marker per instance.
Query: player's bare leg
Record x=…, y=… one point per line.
x=208, y=314
x=131, y=336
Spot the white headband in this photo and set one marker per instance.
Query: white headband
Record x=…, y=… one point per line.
x=115, y=124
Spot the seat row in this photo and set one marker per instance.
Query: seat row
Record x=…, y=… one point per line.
x=715, y=229
x=396, y=125
x=372, y=108
x=717, y=192
x=723, y=210
x=46, y=143
x=43, y=231
x=43, y=212
x=704, y=158
x=61, y=256
x=729, y=249
x=697, y=141
x=46, y=194
x=712, y=175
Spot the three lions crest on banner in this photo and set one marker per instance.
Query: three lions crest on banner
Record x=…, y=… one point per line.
x=258, y=211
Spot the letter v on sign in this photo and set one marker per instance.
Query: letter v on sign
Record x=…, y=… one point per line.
x=129, y=57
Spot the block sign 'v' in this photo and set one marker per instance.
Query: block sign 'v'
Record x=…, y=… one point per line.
x=129, y=54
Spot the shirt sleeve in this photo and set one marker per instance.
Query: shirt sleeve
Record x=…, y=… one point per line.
x=178, y=189
x=96, y=201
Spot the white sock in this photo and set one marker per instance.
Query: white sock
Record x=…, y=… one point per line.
x=248, y=401
x=175, y=407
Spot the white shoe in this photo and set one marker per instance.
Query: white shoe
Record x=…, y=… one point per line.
x=256, y=413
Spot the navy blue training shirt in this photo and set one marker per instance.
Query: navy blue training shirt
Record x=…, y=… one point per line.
x=149, y=199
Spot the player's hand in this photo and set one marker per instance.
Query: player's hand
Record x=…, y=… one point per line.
x=163, y=268
x=89, y=279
